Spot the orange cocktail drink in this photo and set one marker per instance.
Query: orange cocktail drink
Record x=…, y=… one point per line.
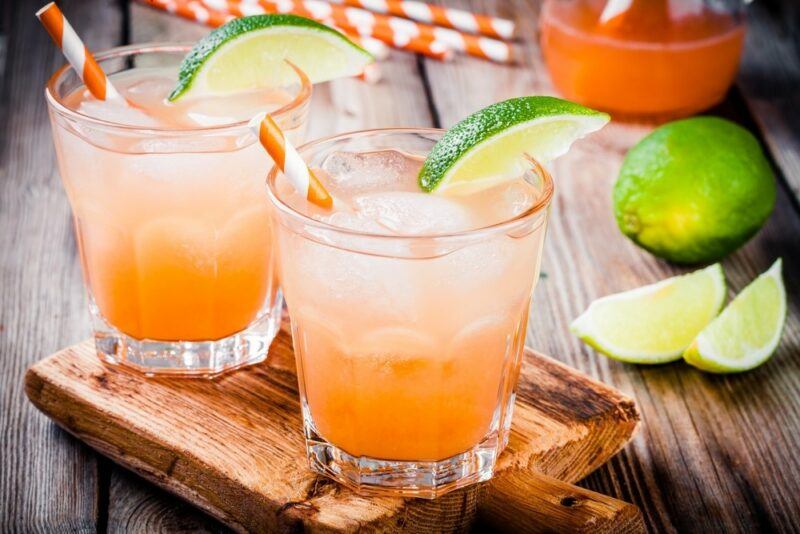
x=409, y=312
x=657, y=58
x=171, y=214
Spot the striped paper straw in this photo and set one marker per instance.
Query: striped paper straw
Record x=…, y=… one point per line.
x=328, y=14
x=441, y=16
x=77, y=54
x=217, y=9
x=376, y=47
x=194, y=10
x=420, y=45
x=289, y=161
x=400, y=28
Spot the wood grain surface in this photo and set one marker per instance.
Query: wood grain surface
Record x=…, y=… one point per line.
x=541, y=504
x=715, y=453
x=769, y=78
x=234, y=447
x=48, y=481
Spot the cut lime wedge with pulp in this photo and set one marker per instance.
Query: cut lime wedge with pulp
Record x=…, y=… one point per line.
x=250, y=53
x=489, y=146
x=655, y=323
x=747, y=332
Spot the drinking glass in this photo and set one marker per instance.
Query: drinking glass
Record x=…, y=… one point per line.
x=408, y=348
x=172, y=227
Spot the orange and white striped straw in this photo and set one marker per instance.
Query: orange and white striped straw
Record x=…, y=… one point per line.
x=389, y=28
x=335, y=15
x=195, y=11
x=198, y=11
x=289, y=161
x=376, y=47
x=425, y=46
x=77, y=54
x=447, y=17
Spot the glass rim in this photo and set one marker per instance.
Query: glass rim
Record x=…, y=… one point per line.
x=540, y=205
x=56, y=102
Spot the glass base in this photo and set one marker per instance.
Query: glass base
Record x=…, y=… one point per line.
x=190, y=359
x=427, y=480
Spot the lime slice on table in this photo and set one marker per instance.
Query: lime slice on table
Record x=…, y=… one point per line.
x=747, y=332
x=489, y=146
x=249, y=53
x=655, y=323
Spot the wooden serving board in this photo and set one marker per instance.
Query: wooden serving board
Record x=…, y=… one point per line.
x=234, y=447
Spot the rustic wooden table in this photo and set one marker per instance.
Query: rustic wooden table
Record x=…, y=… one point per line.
x=714, y=454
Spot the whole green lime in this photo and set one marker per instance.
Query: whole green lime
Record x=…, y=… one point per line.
x=694, y=190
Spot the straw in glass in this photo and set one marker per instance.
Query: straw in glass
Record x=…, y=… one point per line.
x=289, y=161
x=77, y=54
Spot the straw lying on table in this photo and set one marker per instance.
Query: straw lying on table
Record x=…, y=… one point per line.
x=446, y=17
x=77, y=54
x=197, y=11
x=208, y=14
x=289, y=161
x=384, y=27
x=386, y=34
x=434, y=41
x=325, y=14
x=376, y=47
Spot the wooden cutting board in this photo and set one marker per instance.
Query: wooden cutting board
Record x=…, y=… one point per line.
x=233, y=446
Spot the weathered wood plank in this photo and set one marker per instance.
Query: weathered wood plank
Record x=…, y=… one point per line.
x=769, y=79
x=552, y=507
x=48, y=480
x=715, y=452
x=140, y=507
x=234, y=447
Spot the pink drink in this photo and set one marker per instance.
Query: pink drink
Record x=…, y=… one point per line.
x=408, y=311
x=172, y=218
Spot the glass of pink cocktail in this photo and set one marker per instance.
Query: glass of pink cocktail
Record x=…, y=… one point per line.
x=408, y=310
x=171, y=214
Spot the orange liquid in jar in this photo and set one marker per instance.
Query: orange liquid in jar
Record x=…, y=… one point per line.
x=659, y=58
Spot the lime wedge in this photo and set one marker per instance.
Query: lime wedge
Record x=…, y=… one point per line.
x=249, y=53
x=655, y=323
x=747, y=332
x=489, y=146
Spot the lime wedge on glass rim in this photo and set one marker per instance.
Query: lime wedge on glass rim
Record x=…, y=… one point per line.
x=489, y=146
x=655, y=323
x=747, y=332
x=250, y=53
